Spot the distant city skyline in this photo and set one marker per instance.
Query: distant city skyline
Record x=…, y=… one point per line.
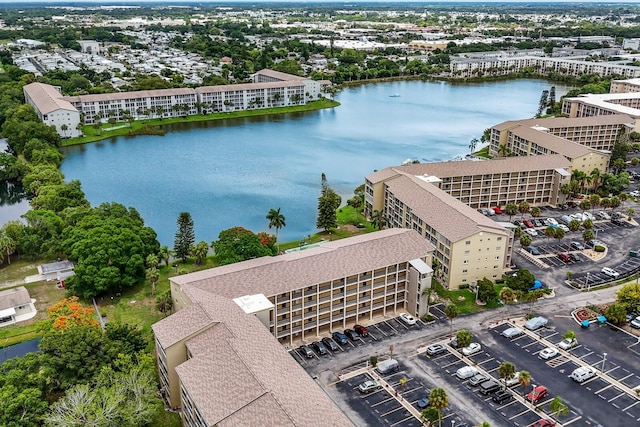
x=345, y=2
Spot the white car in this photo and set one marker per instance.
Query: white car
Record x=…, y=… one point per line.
x=635, y=323
x=514, y=380
x=548, y=353
x=552, y=221
x=610, y=272
x=564, y=228
x=531, y=232
x=566, y=343
x=466, y=372
x=473, y=348
x=603, y=215
x=369, y=386
x=408, y=319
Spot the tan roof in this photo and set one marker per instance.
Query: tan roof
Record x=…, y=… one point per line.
x=553, y=143
x=240, y=372
x=279, y=75
x=248, y=86
x=46, y=98
x=191, y=320
x=382, y=175
x=485, y=167
x=140, y=94
x=575, y=122
x=444, y=213
x=283, y=273
x=14, y=297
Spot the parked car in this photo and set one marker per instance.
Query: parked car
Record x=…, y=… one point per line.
x=319, y=348
x=577, y=246
x=478, y=379
x=536, y=323
x=466, y=372
x=490, y=212
x=617, y=221
x=588, y=215
x=423, y=403
x=488, y=387
x=635, y=193
x=514, y=380
x=635, y=323
x=533, y=250
x=408, y=319
x=539, y=222
x=307, y=352
x=472, y=348
x=435, y=349
x=369, y=386
x=388, y=366
x=497, y=210
x=582, y=374
x=351, y=334
x=518, y=223
x=610, y=272
x=528, y=223
x=544, y=422
x=339, y=337
x=564, y=257
x=512, y=333
x=548, y=353
x=531, y=232
x=574, y=257
x=551, y=221
x=330, y=344
x=592, y=243
x=566, y=343
x=454, y=343
x=501, y=396
x=565, y=219
x=572, y=204
x=537, y=394
x=361, y=330
x=564, y=228
x=603, y=215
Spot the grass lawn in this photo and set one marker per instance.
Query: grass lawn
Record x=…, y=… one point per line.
x=107, y=131
x=464, y=299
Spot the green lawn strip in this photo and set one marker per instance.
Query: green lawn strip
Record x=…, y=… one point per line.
x=464, y=299
x=92, y=134
x=15, y=334
x=19, y=269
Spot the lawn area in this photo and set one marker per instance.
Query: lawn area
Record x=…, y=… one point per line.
x=464, y=299
x=18, y=270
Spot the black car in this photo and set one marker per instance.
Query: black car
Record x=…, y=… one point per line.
x=574, y=257
x=330, y=344
x=307, y=352
x=617, y=221
x=319, y=348
x=502, y=396
x=339, y=337
x=351, y=334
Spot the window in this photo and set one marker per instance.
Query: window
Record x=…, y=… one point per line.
x=499, y=239
x=466, y=252
x=498, y=248
x=497, y=257
x=466, y=261
x=495, y=267
x=464, y=280
x=468, y=242
x=464, y=271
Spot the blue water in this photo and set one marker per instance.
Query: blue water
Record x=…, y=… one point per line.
x=232, y=172
x=19, y=350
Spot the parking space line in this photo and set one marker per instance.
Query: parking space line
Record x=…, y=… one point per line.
x=603, y=389
x=521, y=413
x=613, y=369
x=525, y=346
x=383, y=401
x=588, y=354
x=572, y=421
x=508, y=404
x=402, y=421
x=449, y=364
x=485, y=361
x=612, y=399
x=630, y=406
x=624, y=378
x=380, y=330
x=413, y=389
x=392, y=411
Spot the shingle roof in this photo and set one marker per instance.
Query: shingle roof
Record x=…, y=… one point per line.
x=190, y=319
x=118, y=96
x=553, y=143
x=279, y=75
x=248, y=86
x=573, y=122
x=14, y=297
x=444, y=213
x=46, y=98
x=240, y=372
x=481, y=167
x=340, y=258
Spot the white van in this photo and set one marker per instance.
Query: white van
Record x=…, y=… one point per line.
x=387, y=366
x=582, y=374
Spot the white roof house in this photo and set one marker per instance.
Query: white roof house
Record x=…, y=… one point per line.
x=16, y=306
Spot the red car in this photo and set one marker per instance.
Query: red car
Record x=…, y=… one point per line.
x=528, y=223
x=544, y=423
x=497, y=210
x=361, y=330
x=564, y=257
x=537, y=394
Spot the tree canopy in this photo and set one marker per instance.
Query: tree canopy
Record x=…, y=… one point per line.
x=238, y=244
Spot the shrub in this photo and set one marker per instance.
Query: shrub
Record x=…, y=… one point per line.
x=598, y=248
x=464, y=286
x=373, y=360
x=500, y=281
x=428, y=318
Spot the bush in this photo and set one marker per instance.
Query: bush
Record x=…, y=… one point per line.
x=373, y=360
x=599, y=248
x=500, y=281
x=464, y=286
x=428, y=318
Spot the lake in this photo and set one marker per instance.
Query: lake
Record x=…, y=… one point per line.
x=19, y=350
x=230, y=173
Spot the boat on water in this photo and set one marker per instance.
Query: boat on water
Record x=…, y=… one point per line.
x=395, y=95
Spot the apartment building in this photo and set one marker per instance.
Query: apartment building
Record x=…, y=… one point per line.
x=219, y=366
x=52, y=109
x=524, y=139
x=271, y=89
x=475, y=67
x=483, y=184
x=625, y=86
x=221, y=358
x=468, y=245
x=591, y=105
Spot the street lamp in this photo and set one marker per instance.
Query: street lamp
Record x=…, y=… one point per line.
x=604, y=359
x=586, y=284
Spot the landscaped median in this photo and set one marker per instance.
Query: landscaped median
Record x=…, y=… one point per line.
x=153, y=126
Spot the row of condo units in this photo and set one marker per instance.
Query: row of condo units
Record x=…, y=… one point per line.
x=475, y=67
x=68, y=113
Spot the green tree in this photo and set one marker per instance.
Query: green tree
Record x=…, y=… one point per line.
x=378, y=219
x=152, y=276
x=616, y=314
x=473, y=144
x=522, y=281
x=429, y=416
x=328, y=202
x=199, y=251
x=451, y=311
x=486, y=290
x=109, y=245
x=629, y=297
x=464, y=338
x=525, y=240
x=523, y=208
x=164, y=303
x=21, y=407
x=356, y=203
x=574, y=225
x=557, y=407
x=506, y=371
x=559, y=234
x=507, y=295
x=570, y=335
x=277, y=221
x=588, y=235
x=536, y=212
x=165, y=253
x=238, y=244
x=524, y=378
x=550, y=231
x=185, y=237
x=7, y=247
x=152, y=261
x=439, y=399
x=511, y=209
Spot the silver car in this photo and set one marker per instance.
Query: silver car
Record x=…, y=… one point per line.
x=536, y=323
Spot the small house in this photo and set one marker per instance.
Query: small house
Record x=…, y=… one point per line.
x=59, y=270
x=16, y=306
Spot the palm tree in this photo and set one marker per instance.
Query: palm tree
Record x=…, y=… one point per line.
x=506, y=371
x=574, y=225
x=559, y=234
x=523, y=208
x=596, y=179
x=8, y=247
x=525, y=240
x=588, y=235
x=277, y=221
x=511, y=209
x=439, y=399
x=64, y=128
x=507, y=295
x=550, y=231
x=503, y=150
x=570, y=335
x=165, y=254
x=153, y=276
x=557, y=407
x=451, y=311
x=536, y=212
x=378, y=220
x=585, y=205
x=595, y=200
x=524, y=378
x=464, y=338
x=473, y=144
